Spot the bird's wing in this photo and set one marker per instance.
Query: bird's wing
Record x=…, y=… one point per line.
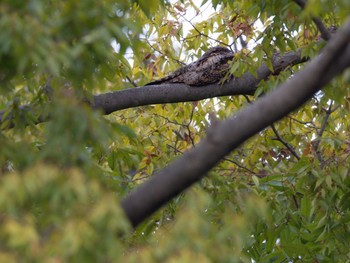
x=176, y=77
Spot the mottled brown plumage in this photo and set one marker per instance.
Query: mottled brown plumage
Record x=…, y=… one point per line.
x=210, y=68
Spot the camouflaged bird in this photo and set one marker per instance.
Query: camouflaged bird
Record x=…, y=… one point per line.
x=210, y=68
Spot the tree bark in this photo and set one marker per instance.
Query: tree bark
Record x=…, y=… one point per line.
x=224, y=137
x=172, y=93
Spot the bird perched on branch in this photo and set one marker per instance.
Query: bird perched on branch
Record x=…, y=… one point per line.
x=210, y=68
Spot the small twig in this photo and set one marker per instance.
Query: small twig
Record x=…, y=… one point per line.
x=175, y=149
x=141, y=178
x=198, y=31
x=47, y=88
x=204, y=35
x=239, y=165
x=131, y=81
x=295, y=201
x=247, y=99
x=318, y=22
x=287, y=145
x=309, y=124
x=226, y=159
x=160, y=52
x=279, y=138
x=334, y=109
x=188, y=126
x=167, y=119
x=323, y=127
x=320, y=132
x=243, y=42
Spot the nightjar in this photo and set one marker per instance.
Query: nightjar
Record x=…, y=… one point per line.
x=210, y=68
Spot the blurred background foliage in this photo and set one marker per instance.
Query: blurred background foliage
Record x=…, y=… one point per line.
x=282, y=196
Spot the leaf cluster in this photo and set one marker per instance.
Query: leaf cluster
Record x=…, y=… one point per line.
x=282, y=196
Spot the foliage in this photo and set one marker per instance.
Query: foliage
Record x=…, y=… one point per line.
x=51, y=215
x=61, y=180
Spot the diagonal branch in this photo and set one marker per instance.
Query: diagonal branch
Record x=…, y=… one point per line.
x=286, y=144
x=320, y=132
x=318, y=22
x=229, y=134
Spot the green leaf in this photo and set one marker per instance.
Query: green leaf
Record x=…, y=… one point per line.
x=255, y=180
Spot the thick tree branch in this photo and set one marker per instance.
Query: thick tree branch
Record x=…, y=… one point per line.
x=227, y=135
x=178, y=92
x=172, y=93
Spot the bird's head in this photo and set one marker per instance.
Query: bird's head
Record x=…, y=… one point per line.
x=218, y=50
